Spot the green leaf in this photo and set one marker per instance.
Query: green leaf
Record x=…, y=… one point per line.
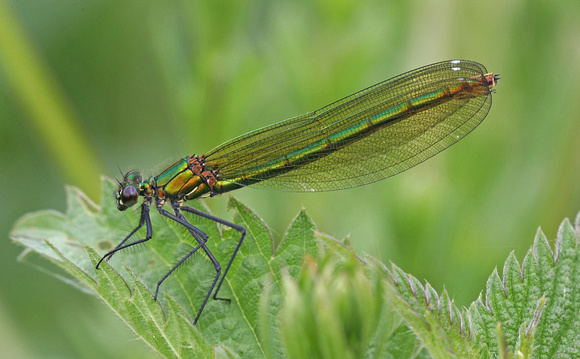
x=310, y=296
x=261, y=279
x=531, y=312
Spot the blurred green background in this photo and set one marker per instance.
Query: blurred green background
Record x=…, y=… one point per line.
x=87, y=87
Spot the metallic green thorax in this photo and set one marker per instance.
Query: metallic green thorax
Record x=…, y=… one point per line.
x=178, y=181
x=187, y=179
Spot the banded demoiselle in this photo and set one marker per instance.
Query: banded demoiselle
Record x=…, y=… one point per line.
x=368, y=136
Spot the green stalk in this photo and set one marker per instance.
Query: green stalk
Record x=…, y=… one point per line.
x=47, y=109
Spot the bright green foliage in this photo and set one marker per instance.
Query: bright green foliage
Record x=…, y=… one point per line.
x=309, y=296
x=338, y=311
x=531, y=312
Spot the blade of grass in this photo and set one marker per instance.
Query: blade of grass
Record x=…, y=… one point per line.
x=48, y=111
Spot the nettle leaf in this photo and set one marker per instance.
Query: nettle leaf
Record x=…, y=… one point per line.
x=310, y=296
x=532, y=311
x=318, y=274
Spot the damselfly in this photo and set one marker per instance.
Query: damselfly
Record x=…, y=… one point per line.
x=368, y=136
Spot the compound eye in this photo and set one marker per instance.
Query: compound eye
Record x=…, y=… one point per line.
x=133, y=178
x=129, y=197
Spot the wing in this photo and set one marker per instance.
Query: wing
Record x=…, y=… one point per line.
x=366, y=137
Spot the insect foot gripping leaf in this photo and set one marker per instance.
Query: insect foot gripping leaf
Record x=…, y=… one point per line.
x=69, y=239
